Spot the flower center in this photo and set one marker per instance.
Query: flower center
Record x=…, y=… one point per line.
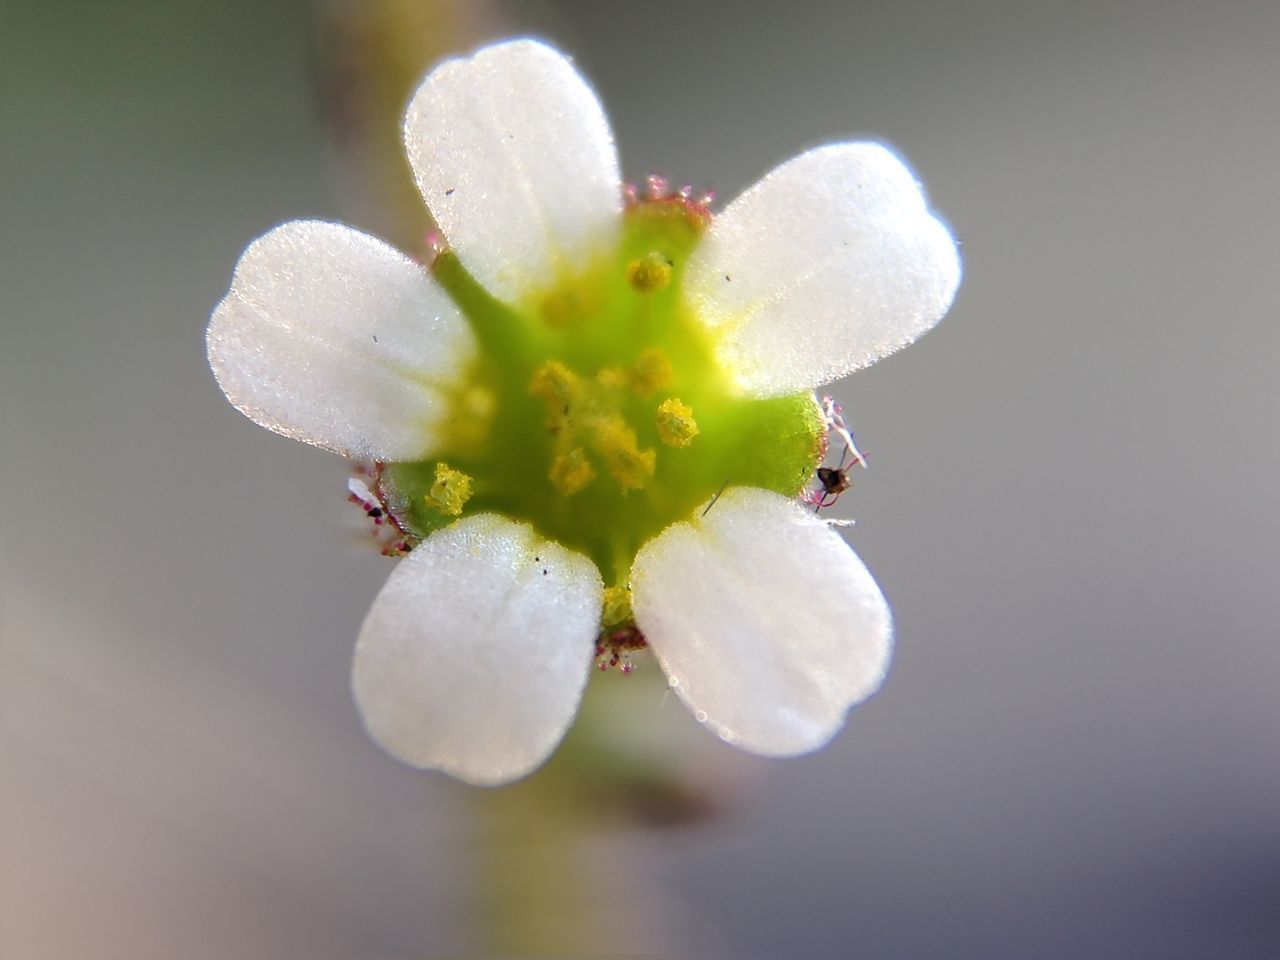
x=596, y=409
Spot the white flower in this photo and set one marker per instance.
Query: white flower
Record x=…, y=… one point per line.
x=475, y=654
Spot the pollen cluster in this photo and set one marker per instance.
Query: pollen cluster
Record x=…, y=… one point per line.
x=597, y=411
x=451, y=491
x=587, y=419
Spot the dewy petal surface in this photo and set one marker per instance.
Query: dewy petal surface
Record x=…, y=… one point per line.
x=336, y=339
x=515, y=159
x=829, y=263
x=767, y=624
x=475, y=654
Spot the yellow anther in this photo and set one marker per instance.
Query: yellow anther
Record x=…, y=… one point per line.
x=626, y=462
x=652, y=372
x=612, y=377
x=571, y=472
x=554, y=383
x=650, y=273
x=451, y=491
x=559, y=388
x=676, y=426
x=617, y=607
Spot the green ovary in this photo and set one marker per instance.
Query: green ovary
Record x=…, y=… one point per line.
x=597, y=411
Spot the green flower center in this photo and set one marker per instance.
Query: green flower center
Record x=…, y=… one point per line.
x=596, y=410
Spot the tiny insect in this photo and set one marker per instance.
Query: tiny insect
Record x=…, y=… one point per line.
x=835, y=480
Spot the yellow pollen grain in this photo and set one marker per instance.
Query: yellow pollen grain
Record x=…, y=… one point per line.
x=652, y=372
x=558, y=387
x=650, y=274
x=571, y=472
x=676, y=426
x=451, y=491
x=625, y=461
x=617, y=607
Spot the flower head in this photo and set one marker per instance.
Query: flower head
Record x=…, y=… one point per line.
x=588, y=418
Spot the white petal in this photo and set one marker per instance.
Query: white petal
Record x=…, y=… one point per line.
x=334, y=338
x=475, y=654
x=829, y=263
x=514, y=157
x=767, y=624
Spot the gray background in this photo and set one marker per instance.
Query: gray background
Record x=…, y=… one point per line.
x=1073, y=503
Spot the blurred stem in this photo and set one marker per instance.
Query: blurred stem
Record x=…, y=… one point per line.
x=536, y=891
x=531, y=893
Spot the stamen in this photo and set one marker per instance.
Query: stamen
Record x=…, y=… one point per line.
x=651, y=373
x=553, y=381
x=650, y=274
x=572, y=472
x=625, y=461
x=451, y=490
x=676, y=426
x=558, y=387
x=612, y=377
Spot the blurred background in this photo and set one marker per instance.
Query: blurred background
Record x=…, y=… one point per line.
x=1073, y=504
